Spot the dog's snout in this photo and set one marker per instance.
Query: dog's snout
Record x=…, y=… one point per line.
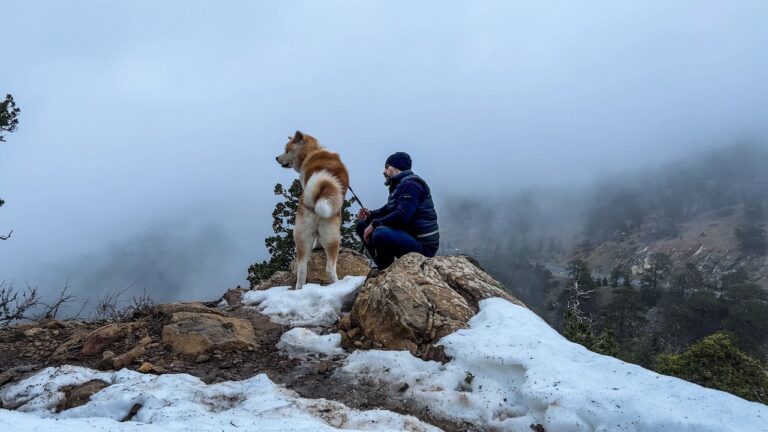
x=277, y=158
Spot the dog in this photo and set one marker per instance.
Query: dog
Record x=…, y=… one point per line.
x=325, y=180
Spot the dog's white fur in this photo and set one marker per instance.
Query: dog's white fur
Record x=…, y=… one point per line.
x=325, y=207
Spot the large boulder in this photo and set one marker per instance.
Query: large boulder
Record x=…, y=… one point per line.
x=349, y=263
x=192, y=334
x=418, y=300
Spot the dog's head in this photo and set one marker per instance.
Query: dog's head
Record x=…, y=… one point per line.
x=290, y=158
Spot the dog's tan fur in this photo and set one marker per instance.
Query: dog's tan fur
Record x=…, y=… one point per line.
x=325, y=181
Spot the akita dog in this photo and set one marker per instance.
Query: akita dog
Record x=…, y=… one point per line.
x=325, y=180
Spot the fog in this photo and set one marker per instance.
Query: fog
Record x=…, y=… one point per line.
x=144, y=157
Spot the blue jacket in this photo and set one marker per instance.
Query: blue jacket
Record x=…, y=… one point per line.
x=409, y=208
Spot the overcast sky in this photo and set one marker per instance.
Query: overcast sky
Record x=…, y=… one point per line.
x=146, y=144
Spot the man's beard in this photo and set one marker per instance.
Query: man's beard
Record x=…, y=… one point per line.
x=387, y=180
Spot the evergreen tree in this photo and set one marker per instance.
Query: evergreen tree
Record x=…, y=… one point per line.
x=9, y=113
x=751, y=238
x=715, y=362
x=616, y=274
x=580, y=331
x=625, y=313
x=9, y=121
x=650, y=283
x=580, y=295
x=280, y=246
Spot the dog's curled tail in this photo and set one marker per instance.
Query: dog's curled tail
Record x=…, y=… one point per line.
x=324, y=193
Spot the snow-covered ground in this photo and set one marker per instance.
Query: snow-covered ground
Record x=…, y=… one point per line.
x=179, y=402
x=301, y=343
x=311, y=306
x=509, y=370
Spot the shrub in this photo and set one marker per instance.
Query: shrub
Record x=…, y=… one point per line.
x=716, y=363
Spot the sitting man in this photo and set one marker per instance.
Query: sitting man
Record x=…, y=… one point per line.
x=407, y=223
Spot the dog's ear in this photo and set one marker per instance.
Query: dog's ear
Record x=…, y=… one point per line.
x=298, y=137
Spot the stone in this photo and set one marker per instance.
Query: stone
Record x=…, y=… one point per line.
x=77, y=395
x=192, y=334
x=62, y=351
x=418, y=300
x=233, y=296
x=349, y=263
x=32, y=332
x=97, y=340
x=279, y=278
x=51, y=323
x=169, y=309
x=148, y=367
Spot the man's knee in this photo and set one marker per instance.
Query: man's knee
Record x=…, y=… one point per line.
x=381, y=235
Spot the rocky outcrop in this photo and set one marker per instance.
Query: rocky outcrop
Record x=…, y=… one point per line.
x=97, y=340
x=350, y=263
x=418, y=300
x=193, y=334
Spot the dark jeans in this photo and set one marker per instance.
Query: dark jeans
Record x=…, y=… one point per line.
x=387, y=243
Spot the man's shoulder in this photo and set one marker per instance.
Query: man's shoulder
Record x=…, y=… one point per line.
x=413, y=184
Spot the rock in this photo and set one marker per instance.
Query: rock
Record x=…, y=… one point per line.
x=192, y=334
x=354, y=333
x=32, y=332
x=279, y=278
x=107, y=354
x=77, y=395
x=51, y=323
x=171, y=308
x=418, y=300
x=134, y=410
x=202, y=358
x=350, y=263
x=62, y=352
x=148, y=367
x=344, y=322
x=233, y=296
x=97, y=340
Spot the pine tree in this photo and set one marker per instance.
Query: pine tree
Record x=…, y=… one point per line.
x=9, y=121
x=715, y=362
x=280, y=246
x=8, y=116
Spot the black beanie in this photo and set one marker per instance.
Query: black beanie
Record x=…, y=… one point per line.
x=399, y=160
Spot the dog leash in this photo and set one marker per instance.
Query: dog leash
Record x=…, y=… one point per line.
x=355, y=196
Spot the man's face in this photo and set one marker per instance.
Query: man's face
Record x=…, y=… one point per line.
x=389, y=172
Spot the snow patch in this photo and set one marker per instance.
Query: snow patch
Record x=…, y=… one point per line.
x=302, y=342
x=510, y=369
x=311, y=306
x=179, y=402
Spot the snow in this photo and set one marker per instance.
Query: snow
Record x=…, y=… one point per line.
x=302, y=342
x=180, y=402
x=510, y=370
x=311, y=306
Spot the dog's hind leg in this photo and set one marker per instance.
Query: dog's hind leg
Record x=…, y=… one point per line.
x=304, y=239
x=330, y=239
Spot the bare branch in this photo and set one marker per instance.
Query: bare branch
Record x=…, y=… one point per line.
x=13, y=308
x=6, y=237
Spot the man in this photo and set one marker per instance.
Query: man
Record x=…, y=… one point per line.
x=407, y=223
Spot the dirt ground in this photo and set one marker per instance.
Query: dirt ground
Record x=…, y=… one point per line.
x=30, y=347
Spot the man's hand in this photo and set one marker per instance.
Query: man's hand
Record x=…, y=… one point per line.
x=363, y=214
x=367, y=234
